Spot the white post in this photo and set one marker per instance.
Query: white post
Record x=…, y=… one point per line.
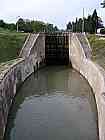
x=17, y=27
x=83, y=22
x=72, y=27
x=17, y=24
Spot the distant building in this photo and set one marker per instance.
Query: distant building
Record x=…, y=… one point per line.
x=98, y=30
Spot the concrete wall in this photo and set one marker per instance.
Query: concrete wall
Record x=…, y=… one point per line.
x=34, y=53
x=14, y=74
x=38, y=49
x=95, y=76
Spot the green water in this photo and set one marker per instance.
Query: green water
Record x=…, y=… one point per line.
x=54, y=104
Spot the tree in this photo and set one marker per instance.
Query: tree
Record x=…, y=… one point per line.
x=49, y=27
x=69, y=26
x=91, y=23
x=2, y=23
x=74, y=26
x=80, y=22
x=95, y=21
x=56, y=29
x=103, y=4
x=28, y=27
x=38, y=26
x=10, y=26
x=21, y=24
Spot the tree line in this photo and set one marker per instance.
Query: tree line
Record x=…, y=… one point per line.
x=10, y=26
x=89, y=24
x=103, y=4
x=29, y=26
x=35, y=26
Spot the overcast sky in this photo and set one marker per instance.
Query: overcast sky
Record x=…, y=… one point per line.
x=58, y=12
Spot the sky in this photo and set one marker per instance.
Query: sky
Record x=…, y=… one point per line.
x=57, y=12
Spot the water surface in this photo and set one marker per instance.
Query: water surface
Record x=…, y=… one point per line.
x=54, y=104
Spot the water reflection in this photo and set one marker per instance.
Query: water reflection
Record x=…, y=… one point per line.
x=55, y=104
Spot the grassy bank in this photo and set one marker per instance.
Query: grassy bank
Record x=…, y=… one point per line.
x=98, y=49
x=10, y=44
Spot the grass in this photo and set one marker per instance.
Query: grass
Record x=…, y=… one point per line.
x=98, y=49
x=11, y=43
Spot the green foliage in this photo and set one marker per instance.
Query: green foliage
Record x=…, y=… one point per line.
x=69, y=26
x=79, y=25
x=21, y=24
x=7, y=26
x=91, y=24
x=35, y=26
x=56, y=29
x=2, y=24
x=49, y=27
x=28, y=26
x=38, y=26
x=95, y=21
x=74, y=26
x=103, y=4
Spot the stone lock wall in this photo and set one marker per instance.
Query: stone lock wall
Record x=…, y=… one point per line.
x=31, y=58
x=15, y=73
x=94, y=74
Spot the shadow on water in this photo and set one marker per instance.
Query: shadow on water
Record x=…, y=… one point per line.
x=56, y=103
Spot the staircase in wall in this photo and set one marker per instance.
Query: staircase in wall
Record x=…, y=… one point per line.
x=28, y=45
